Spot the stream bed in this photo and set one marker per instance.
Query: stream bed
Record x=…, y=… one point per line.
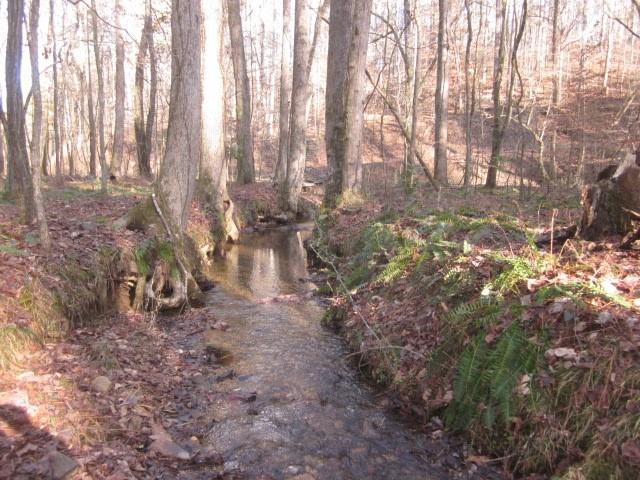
x=286, y=402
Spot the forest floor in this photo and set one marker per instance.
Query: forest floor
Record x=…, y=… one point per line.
x=454, y=312
x=532, y=352
x=78, y=396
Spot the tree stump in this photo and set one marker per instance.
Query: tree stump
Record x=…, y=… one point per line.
x=603, y=212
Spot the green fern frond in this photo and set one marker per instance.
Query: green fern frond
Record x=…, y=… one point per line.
x=482, y=312
x=397, y=266
x=515, y=271
x=486, y=378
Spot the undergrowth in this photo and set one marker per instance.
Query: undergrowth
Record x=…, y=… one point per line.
x=489, y=346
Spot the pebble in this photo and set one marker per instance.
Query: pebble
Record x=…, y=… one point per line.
x=101, y=384
x=61, y=466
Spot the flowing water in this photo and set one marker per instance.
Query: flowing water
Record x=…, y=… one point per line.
x=291, y=404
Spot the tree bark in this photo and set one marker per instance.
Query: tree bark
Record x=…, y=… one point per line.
x=213, y=162
x=469, y=99
x=2, y=161
x=16, y=129
x=57, y=141
x=348, y=39
x=144, y=129
x=410, y=83
x=498, y=68
x=442, y=96
x=93, y=149
x=603, y=212
x=285, y=93
x=36, y=133
x=176, y=181
x=297, y=127
x=118, y=134
x=102, y=148
x=414, y=109
x=246, y=168
x=554, y=52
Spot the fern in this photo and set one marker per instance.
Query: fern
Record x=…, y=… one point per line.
x=397, y=266
x=516, y=270
x=577, y=291
x=506, y=363
x=481, y=313
x=486, y=378
x=467, y=384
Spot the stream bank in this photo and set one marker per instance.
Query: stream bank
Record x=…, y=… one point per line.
x=530, y=353
x=250, y=386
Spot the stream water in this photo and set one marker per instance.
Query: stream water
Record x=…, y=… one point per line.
x=292, y=405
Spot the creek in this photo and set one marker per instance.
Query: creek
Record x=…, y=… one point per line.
x=291, y=404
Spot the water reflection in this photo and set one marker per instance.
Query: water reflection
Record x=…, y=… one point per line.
x=294, y=405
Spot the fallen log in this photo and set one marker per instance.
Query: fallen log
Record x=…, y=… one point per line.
x=560, y=234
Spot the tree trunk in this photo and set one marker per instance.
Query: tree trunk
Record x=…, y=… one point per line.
x=144, y=129
x=36, y=140
x=16, y=129
x=213, y=163
x=57, y=141
x=603, y=212
x=65, y=154
x=348, y=39
x=118, y=134
x=102, y=148
x=554, y=53
x=2, y=168
x=442, y=96
x=498, y=68
x=468, y=99
x=246, y=169
x=410, y=80
x=303, y=53
x=297, y=127
x=414, y=109
x=176, y=181
x=285, y=93
x=93, y=150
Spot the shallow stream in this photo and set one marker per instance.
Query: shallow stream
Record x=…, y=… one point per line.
x=290, y=404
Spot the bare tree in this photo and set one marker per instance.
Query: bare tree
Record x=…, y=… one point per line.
x=469, y=98
x=246, y=169
x=348, y=40
x=102, y=147
x=36, y=133
x=2, y=161
x=303, y=53
x=500, y=124
x=15, y=122
x=498, y=68
x=175, y=186
x=297, y=127
x=118, y=134
x=285, y=93
x=176, y=181
x=442, y=95
x=57, y=111
x=213, y=163
x=144, y=128
x=93, y=148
